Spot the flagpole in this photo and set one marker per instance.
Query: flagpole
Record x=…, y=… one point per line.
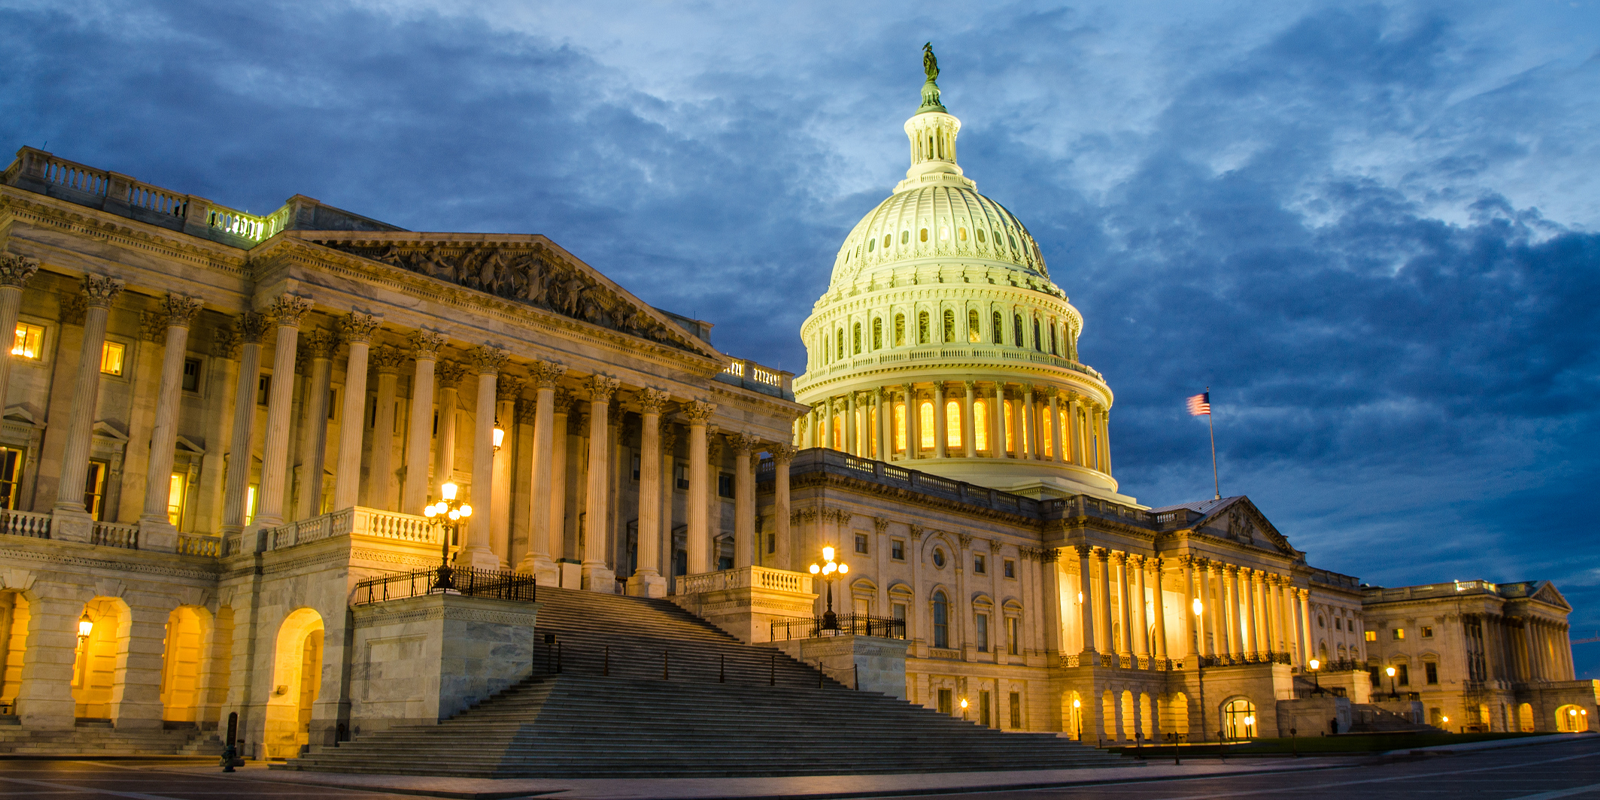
x=1212, y=426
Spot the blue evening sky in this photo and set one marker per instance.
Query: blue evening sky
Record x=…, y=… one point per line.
x=1372, y=229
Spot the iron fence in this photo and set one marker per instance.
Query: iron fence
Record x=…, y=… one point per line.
x=784, y=630
x=466, y=581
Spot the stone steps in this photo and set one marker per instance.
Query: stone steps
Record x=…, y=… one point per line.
x=100, y=740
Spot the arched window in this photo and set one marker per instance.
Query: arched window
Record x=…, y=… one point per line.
x=961, y=233
x=952, y=423
x=1010, y=428
x=999, y=329
x=1239, y=719
x=980, y=424
x=1018, y=339
x=925, y=422
x=888, y=239
x=838, y=432
x=973, y=334
x=905, y=237
x=899, y=427
x=922, y=235
x=941, y=620
x=923, y=335
x=872, y=243
x=949, y=326
x=877, y=333
x=855, y=340
x=1053, y=339
x=872, y=432
x=899, y=330
x=1038, y=343
x=838, y=340
x=980, y=236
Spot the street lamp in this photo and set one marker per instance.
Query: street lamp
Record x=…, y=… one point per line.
x=1249, y=724
x=830, y=572
x=455, y=511
x=963, y=709
x=1390, y=672
x=1199, y=665
x=85, y=627
x=1077, y=713
x=499, y=434
x=1315, y=665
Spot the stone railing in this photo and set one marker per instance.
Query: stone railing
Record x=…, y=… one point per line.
x=977, y=353
x=750, y=375
x=780, y=580
x=818, y=459
x=115, y=534
x=199, y=544
x=357, y=521
x=119, y=194
x=25, y=523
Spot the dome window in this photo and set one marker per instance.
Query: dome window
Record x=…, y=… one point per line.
x=899, y=330
x=838, y=340
x=949, y=326
x=961, y=233
x=998, y=327
x=871, y=243
x=980, y=236
x=856, y=339
x=905, y=237
x=998, y=240
x=922, y=328
x=888, y=239
x=944, y=233
x=1017, y=340
x=877, y=333
x=973, y=334
x=1013, y=241
x=923, y=235
x=925, y=425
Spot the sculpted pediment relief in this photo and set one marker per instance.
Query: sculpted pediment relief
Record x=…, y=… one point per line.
x=532, y=273
x=1548, y=594
x=1242, y=522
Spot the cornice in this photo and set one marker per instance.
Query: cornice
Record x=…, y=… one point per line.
x=829, y=480
x=120, y=231
x=74, y=556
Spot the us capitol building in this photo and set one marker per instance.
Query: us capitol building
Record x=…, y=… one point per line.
x=221, y=431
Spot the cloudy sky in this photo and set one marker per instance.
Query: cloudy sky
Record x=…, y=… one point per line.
x=1373, y=230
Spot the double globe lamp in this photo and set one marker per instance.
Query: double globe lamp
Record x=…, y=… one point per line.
x=830, y=572
x=454, y=511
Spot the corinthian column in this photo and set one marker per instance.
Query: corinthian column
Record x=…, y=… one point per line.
x=969, y=442
x=596, y=575
x=782, y=458
x=744, y=499
x=15, y=272
x=314, y=430
x=646, y=581
x=386, y=361
x=941, y=435
x=419, y=430
x=241, y=442
x=507, y=389
x=98, y=292
x=153, y=523
x=286, y=311
x=478, y=554
x=356, y=330
x=1058, y=447
x=1086, y=601
x=545, y=376
x=699, y=543
x=444, y=457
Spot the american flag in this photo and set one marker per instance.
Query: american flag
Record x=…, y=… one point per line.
x=1200, y=405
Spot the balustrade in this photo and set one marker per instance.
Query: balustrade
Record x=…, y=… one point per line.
x=25, y=523
x=191, y=544
x=115, y=534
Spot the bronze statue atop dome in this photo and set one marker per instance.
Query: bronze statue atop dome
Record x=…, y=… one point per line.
x=930, y=62
x=930, y=90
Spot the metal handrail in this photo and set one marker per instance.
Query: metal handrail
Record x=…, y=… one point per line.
x=784, y=630
x=467, y=581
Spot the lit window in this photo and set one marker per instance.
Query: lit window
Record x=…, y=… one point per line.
x=952, y=423
x=94, y=488
x=1399, y=634
x=925, y=419
x=980, y=425
x=961, y=233
x=175, y=487
x=1048, y=432
x=1372, y=636
x=250, y=505
x=30, y=341
x=838, y=432
x=1427, y=631
x=10, y=476
x=861, y=543
x=900, y=427
x=112, y=355
x=1010, y=430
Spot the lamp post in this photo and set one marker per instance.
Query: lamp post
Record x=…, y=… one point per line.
x=85, y=627
x=1392, y=694
x=830, y=572
x=455, y=511
x=1249, y=723
x=963, y=709
x=1315, y=665
x=1077, y=714
x=1199, y=665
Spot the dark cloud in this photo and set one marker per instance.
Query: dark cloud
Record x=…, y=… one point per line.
x=1368, y=229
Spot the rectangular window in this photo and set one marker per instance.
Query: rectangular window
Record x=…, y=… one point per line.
x=191, y=374
x=333, y=408
x=983, y=710
x=94, y=488
x=10, y=476
x=725, y=485
x=1402, y=675
x=112, y=356
x=861, y=543
x=897, y=549
x=1011, y=568
x=1338, y=624
x=1399, y=634
x=680, y=476
x=1427, y=631
x=635, y=466
x=946, y=701
x=898, y=611
x=1372, y=636
x=264, y=387
x=981, y=631
x=30, y=341
x=250, y=505
x=1016, y=710
x=1013, y=637
x=772, y=543
x=980, y=564
x=1430, y=672
x=175, y=492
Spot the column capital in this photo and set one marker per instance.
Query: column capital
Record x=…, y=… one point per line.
x=546, y=374
x=1117, y=557
x=652, y=401
x=783, y=453
x=965, y=540
x=100, y=290
x=1103, y=555
x=287, y=310
x=425, y=345
x=225, y=342
x=17, y=270
x=357, y=327
x=179, y=309
x=450, y=373
x=488, y=359
x=563, y=402
x=742, y=443
x=250, y=327
x=1084, y=550
x=387, y=359
x=698, y=411
x=669, y=437
x=916, y=532
x=320, y=343
x=509, y=387
x=602, y=387
x=1153, y=564
x=714, y=444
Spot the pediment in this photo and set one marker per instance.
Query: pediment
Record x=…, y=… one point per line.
x=187, y=445
x=20, y=413
x=530, y=270
x=109, y=431
x=1238, y=519
x=1548, y=594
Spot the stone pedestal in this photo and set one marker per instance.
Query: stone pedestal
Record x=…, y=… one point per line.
x=745, y=601
x=571, y=574
x=425, y=659
x=1311, y=716
x=599, y=579
x=1357, y=684
x=159, y=537
x=647, y=586
x=69, y=525
x=866, y=663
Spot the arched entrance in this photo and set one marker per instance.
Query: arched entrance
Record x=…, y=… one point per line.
x=1525, y=718
x=1239, y=719
x=296, y=679
x=1572, y=719
x=15, y=612
x=183, y=663
x=1072, y=714
x=102, y=630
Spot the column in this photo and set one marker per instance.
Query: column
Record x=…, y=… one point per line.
x=1141, y=639
x=828, y=439
x=545, y=375
x=98, y=292
x=477, y=553
x=1086, y=607
x=1105, y=440
x=782, y=458
x=646, y=581
x=699, y=535
x=249, y=328
x=852, y=439
x=286, y=311
x=997, y=414
x=560, y=431
x=969, y=441
x=597, y=577
x=885, y=405
x=913, y=424
x=419, y=426
x=1104, y=600
x=1049, y=560
x=153, y=522
x=386, y=361
x=1270, y=608
x=1230, y=599
x=1216, y=611
x=507, y=389
x=744, y=497
x=669, y=444
x=1124, y=603
x=1058, y=445
x=1074, y=430
x=15, y=272
x=1305, y=626
x=941, y=432
x=356, y=330
x=1158, y=605
x=1191, y=642
x=444, y=455
x=314, y=428
x=1028, y=426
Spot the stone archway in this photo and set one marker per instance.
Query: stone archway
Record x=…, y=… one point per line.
x=1572, y=719
x=296, y=681
x=15, y=614
x=184, y=663
x=98, y=667
x=1525, y=718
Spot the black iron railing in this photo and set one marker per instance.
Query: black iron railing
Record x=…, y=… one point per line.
x=467, y=581
x=784, y=630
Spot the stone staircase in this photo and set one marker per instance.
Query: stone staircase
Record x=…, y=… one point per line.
x=724, y=709
x=1372, y=719
x=104, y=740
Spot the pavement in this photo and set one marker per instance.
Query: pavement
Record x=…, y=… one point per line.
x=1558, y=766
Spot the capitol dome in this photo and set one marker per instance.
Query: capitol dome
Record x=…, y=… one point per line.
x=942, y=341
